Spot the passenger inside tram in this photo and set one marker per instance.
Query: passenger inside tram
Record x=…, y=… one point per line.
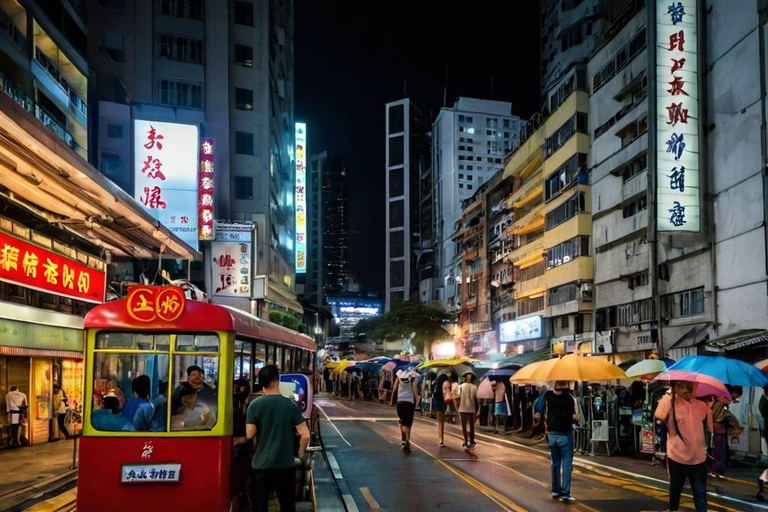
x=194, y=402
x=110, y=417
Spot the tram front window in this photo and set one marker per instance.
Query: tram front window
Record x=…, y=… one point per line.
x=194, y=402
x=130, y=389
x=133, y=384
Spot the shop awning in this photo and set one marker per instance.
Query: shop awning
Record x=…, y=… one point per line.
x=696, y=336
x=524, y=358
x=283, y=298
x=738, y=340
x=45, y=176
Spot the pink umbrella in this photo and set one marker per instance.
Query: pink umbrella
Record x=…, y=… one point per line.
x=704, y=385
x=485, y=390
x=389, y=366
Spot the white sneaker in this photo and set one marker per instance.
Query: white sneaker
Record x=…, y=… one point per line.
x=567, y=498
x=441, y=445
x=555, y=495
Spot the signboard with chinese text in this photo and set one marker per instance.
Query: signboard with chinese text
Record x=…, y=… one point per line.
x=522, y=329
x=205, y=188
x=166, y=177
x=231, y=260
x=150, y=303
x=150, y=473
x=301, y=198
x=26, y=264
x=678, y=189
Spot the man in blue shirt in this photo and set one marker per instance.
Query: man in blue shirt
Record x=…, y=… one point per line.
x=140, y=387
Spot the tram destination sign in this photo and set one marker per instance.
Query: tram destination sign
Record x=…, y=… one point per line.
x=150, y=473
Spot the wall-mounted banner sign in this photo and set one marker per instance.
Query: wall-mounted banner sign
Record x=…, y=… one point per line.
x=205, y=188
x=678, y=189
x=165, y=175
x=301, y=198
x=27, y=264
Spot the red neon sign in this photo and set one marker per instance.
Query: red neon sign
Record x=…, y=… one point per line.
x=26, y=264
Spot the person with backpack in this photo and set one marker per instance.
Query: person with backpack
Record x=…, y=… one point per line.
x=561, y=413
x=686, y=420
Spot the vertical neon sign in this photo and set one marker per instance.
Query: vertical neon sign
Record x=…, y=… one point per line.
x=301, y=198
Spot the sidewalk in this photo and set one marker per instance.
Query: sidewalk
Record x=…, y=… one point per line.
x=27, y=469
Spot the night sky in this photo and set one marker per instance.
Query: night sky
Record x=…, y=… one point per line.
x=352, y=57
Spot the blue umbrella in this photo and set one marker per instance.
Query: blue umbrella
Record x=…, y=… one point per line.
x=726, y=370
x=502, y=372
x=369, y=367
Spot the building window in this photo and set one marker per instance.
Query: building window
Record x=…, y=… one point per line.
x=244, y=55
x=566, y=251
x=687, y=303
x=243, y=143
x=635, y=207
x=396, y=150
x=244, y=13
x=243, y=99
x=396, y=119
x=576, y=124
x=183, y=8
x=619, y=60
x=115, y=131
x=244, y=187
x=180, y=48
x=565, y=176
x=180, y=94
x=574, y=205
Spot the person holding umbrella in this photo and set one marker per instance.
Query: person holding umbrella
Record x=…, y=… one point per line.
x=561, y=413
x=686, y=446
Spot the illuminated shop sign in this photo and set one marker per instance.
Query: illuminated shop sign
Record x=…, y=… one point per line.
x=231, y=265
x=301, y=198
x=205, y=189
x=678, y=189
x=165, y=175
x=520, y=330
x=26, y=264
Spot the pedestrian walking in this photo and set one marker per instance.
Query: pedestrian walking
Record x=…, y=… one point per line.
x=500, y=406
x=451, y=394
x=16, y=406
x=405, y=391
x=272, y=419
x=686, y=448
x=439, y=406
x=468, y=409
x=561, y=413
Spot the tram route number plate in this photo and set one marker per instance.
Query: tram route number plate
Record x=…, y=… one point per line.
x=150, y=473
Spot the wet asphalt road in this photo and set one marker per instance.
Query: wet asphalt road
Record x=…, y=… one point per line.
x=363, y=440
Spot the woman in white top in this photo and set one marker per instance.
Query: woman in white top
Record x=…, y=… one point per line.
x=468, y=409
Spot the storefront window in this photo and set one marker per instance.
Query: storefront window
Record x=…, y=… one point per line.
x=279, y=358
x=43, y=390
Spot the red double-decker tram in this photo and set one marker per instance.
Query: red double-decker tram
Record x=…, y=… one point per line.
x=169, y=380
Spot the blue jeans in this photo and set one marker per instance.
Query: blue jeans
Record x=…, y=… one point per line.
x=561, y=449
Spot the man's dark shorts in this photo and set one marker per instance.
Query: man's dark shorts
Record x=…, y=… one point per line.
x=405, y=413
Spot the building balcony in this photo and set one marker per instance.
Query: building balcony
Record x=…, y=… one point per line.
x=620, y=227
x=530, y=222
x=528, y=190
x=529, y=287
x=8, y=27
x=528, y=252
x=635, y=185
x=14, y=92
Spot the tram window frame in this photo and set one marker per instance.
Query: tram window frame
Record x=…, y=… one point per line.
x=164, y=344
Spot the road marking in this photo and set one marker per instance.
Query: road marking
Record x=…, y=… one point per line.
x=371, y=418
x=334, y=466
x=64, y=501
x=498, y=498
x=334, y=426
x=369, y=498
x=349, y=503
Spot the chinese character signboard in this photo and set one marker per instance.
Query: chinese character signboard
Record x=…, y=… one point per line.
x=150, y=303
x=26, y=264
x=301, y=198
x=205, y=189
x=231, y=263
x=678, y=190
x=150, y=473
x=521, y=330
x=166, y=178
